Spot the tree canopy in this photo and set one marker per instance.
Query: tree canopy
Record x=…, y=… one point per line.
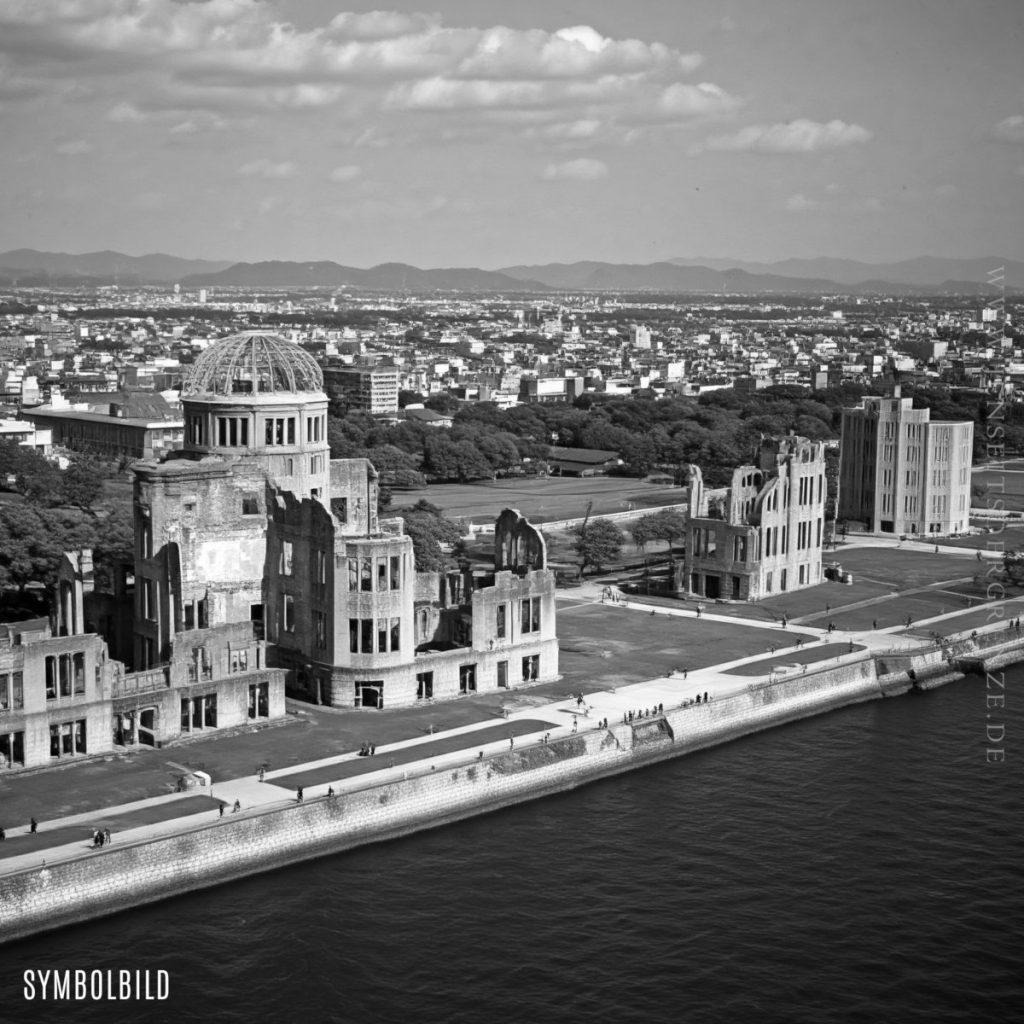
x=598, y=543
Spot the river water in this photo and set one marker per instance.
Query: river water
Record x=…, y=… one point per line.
x=864, y=865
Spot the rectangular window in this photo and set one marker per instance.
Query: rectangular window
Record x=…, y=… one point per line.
x=259, y=700
x=396, y=572
x=396, y=633
x=286, y=558
x=503, y=675
x=467, y=679
x=12, y=749
x=250, y=506
x=239, y=661
x=291, y=430
x=353, y=574
x=500, y=625
x=146, y=540
x=64, y=667
x=531, y=668
x=366, y=574
x=382, y=574
x=353, y=636
x=186, y=714
x=321, y=567
x=320, y=622
x=78, y=671
x=5, y=692
x=210, y=711
x=288, y=621
x=366, y=636
x=424, y=685
x=530, y=615
x=382, y=635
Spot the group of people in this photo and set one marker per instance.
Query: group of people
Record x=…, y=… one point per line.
x=368, y=750
x=695, y=700
x=635, y=716
x=101, y=837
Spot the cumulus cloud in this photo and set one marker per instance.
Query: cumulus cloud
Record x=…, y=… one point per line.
x=176, y=58
x=799, y=136
x=1010, y=129
x=346, y=172
x=264, y=168
x=584, y=169
x=799, y=203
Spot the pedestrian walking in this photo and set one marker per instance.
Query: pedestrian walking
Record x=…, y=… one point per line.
x=263, y=771
x=298, y=795
x=221, y=809
x=106, y=835
x=237, y=807
x=33, y=825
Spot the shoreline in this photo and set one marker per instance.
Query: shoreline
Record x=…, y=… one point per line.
x=136, y=873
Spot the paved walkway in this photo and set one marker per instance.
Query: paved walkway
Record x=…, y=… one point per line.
x=67, y=838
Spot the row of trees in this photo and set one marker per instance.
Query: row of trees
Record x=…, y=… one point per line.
x=26, y=472
x=33, y=539
x=717, y=431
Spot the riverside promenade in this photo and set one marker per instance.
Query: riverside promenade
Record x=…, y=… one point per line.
x=717, y=650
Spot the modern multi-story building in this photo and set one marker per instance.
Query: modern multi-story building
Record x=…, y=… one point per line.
x=371, y=388
x=901, y=473
x=765, y=534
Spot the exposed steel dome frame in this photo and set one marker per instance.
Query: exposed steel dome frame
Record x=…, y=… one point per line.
x=253, y=363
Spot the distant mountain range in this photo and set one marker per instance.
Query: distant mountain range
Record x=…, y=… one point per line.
x=821, y=276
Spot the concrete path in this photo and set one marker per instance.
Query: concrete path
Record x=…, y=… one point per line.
x=565, y=716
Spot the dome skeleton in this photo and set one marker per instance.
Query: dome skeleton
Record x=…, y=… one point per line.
x=253, y=362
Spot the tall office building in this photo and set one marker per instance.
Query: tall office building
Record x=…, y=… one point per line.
x=371, y=388
x=901, y=473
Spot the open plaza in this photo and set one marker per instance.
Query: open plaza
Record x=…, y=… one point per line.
x=620, y=653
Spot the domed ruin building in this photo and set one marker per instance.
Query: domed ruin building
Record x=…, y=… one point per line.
x=261, y=564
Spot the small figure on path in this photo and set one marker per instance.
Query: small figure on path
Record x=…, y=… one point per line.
x=106, y=835
x=221, y=809
x=33, y=825
x=237, y=807
x=263, y=771
x=298, y=795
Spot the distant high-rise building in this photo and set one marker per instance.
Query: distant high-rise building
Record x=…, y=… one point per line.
x=901, y=473
x=372, y=388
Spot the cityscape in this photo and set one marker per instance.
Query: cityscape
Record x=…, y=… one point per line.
x=673, y=594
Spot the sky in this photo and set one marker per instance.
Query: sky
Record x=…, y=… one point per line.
x=486, y=133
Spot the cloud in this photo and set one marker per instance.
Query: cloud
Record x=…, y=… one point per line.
x=74, y=147
x=800, y=136
x=237, y=57
x=1010, y=129
x=264, y=168
x=584, y=169
x=800, y=203
x=123, y=112
x=681, y=100
x=346, y=172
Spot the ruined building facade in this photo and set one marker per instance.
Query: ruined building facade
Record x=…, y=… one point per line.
x=255, y=524
x=765, y=535
x=260, y=564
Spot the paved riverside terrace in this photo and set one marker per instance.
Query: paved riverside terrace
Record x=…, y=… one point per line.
x=606, y=646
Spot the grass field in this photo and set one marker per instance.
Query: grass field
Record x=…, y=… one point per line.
x=543, y=499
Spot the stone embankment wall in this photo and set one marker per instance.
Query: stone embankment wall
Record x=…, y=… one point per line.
x=239, y=845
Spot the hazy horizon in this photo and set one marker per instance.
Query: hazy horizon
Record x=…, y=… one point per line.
x=488, y=135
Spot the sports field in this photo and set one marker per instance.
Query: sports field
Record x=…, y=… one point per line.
x=543, y=499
